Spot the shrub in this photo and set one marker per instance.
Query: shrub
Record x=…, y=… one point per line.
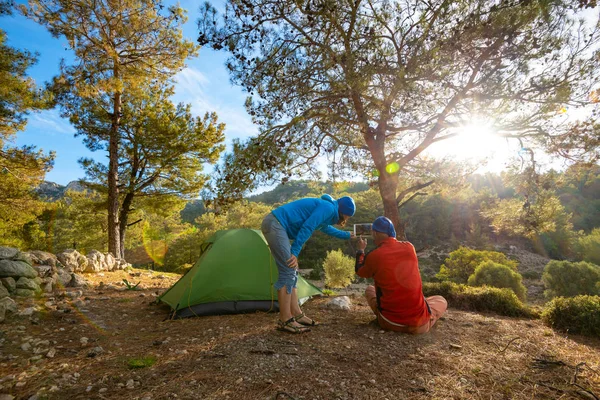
x=501, y=301
x=489, y=273
x=461, y=263
x=564, y=278
x=579, y=314
x=339, y=269
x=588, y=247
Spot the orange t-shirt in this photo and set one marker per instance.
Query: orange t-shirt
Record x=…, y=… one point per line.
x=395, y=269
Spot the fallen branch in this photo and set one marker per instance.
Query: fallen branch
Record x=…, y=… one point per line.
x=505, y=347
x=588, y=394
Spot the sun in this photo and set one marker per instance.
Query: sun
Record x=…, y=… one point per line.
x=475, y=141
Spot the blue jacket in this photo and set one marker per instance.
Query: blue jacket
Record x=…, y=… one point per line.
x=301, y=217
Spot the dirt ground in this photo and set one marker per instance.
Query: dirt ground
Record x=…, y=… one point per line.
x=466, y=356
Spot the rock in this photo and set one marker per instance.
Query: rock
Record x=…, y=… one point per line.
x=74, y=294
x=47, y=286
x=26, y=283
x=43, y=270
x=10, y=284
x=16, y=269
x=342, y=303
x=96, y=261
x=26, y=346
x=64, y=277
x=72, y=260
x=110, y=262
x=3, y=292
x=8, y=304
x=51, y=353
x=24, y=293
x=78, y=281
x=95, y=351
x=102, y=390
x=130, y=384
x=43, y=258
x=84, y=341
x=27, y=312
x=8, y=253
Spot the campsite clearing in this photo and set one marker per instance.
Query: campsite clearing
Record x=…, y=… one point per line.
x=467, y=355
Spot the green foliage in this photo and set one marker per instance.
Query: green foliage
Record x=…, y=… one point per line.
x=360, y=105
x=22, y=169
x=130, y=285
x=461, y=263
x=579, y=315
x=500, y=301
x=110, y=67
x=329, y=292
x=339, y=269
x=564, y=278
x=588, y=247
x=141, y=362
x=489, y=273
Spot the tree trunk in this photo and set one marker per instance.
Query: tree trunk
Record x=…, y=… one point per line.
x=388, y=184
x=123, y=218
x=114, y=243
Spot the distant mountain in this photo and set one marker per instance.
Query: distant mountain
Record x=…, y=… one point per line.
x=297, y=189
x=51, y=191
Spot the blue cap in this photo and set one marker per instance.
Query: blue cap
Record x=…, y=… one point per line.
x=346, y=206
x=384, y=225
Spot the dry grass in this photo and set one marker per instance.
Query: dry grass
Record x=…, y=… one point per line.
x=467, y=355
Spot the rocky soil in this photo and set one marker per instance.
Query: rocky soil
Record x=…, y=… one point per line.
x=106, y=342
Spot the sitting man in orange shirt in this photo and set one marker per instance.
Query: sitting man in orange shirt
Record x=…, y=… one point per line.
x=397, y=297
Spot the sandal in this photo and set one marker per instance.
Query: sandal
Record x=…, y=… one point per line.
x=288, y=327
x=312, y=322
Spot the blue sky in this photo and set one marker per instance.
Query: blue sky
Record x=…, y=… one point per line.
x=204, y=84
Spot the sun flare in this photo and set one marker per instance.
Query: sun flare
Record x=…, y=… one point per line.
x=476, y=142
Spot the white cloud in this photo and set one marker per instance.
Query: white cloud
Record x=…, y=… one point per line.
x=211, y=94
x=50, y=122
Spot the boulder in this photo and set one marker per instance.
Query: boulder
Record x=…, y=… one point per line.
x=9, y=283
x=26, y=283
x=8, y=253
x=64, y=277
x=47, y=285
x=96, y=261
x=110, y=262
x=43, y=258
x=121, y=264
x=72, y=260
x=78, y=281
x=16, y=269
x=43, y=270
x=24, y=292
x=3, y=292
x=8, y=304
x=341, y=303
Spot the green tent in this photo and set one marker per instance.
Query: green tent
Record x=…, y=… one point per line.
x=234, y=274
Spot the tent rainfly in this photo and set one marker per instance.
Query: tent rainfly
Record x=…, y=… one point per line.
x=234, y=274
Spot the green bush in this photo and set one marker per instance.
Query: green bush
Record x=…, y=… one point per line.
x=501, y=301
x=580, y=314
x=489, y=273
x=339, y=269
x=588, y=247
x=568, y=279
x=461, y=263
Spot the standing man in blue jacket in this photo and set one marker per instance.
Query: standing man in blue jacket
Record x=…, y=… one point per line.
x=296, y=221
